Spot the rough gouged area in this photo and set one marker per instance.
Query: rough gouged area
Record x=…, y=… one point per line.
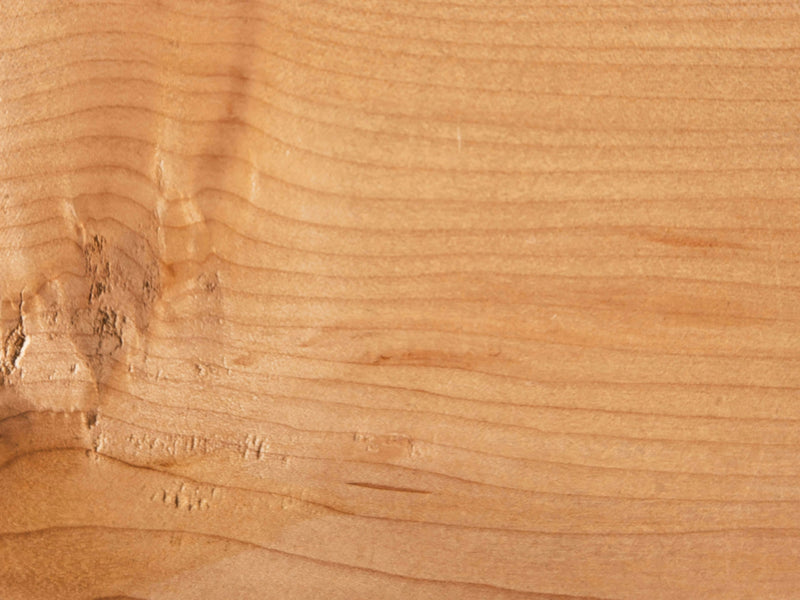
x=372, y=299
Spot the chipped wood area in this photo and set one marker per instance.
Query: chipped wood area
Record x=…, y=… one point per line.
x=399, y=300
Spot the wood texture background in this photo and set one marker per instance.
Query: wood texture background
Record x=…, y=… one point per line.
x=373, y=299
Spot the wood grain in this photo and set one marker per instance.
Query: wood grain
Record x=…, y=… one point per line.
x=374, y=299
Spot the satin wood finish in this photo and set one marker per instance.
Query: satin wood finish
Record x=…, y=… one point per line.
x=378, y=299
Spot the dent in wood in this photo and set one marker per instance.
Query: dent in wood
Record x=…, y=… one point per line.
x=118, y=302
x=13, y=348
x=189, y=498
x=392, y=445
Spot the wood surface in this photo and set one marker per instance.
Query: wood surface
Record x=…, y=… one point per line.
x=378, y=299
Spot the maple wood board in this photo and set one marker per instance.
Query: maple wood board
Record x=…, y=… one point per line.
x=372, y=299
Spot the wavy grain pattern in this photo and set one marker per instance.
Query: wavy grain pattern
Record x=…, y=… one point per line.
x=344, y=299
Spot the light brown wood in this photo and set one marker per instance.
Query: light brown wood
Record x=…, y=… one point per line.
x=342, y=299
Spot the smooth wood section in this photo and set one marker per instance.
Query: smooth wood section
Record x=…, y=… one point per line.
x=372, y=299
